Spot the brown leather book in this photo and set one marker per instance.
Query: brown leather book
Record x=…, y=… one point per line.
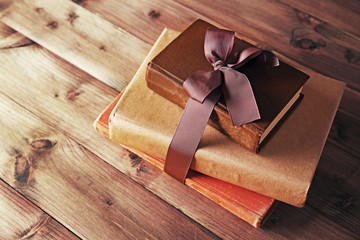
x=276, y=89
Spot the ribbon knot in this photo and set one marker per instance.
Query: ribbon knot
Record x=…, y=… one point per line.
x=219, y=64
x=205, y=88
x=225, y=57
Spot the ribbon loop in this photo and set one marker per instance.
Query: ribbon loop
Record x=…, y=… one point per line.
x=244, y=56
x=218, y=44
x=200, y=84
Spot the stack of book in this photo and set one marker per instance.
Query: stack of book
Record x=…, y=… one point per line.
x=228, y=166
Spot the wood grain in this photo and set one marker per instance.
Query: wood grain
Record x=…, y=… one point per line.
x=78, y=36
x=20, y=219
x=303, y=223
x=304, y=38
x=144, y=19
x=52, y=81
x=345, y=133
x=147, y=19
x=69, y=100
x=335, y=188
x=5, y=30
x=350, y=102
x=14, y=40
x=85, y=194
x=342, y=14
x=9, y=38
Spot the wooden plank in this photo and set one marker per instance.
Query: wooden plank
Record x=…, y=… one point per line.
x=350, y=102
x=80, y=37
x=345, y=133
x=304, y=38
x=63, y=94
x=10, y=38
x=339, y=13
x=85, y=194
x=144, y=19
x=5, y=30
x=14, y=40
x=20, y=219
x=335, y=188
x=303, y=223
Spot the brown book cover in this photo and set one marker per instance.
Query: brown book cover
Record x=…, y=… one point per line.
x=251, y=207
x=275, y=88
x=282, y=170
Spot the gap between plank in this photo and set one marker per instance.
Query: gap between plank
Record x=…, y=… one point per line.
x=45, y=212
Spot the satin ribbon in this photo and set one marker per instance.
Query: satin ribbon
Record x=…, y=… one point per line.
x=205, y=88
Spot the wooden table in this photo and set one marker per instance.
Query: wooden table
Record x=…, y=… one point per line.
x=61, y=180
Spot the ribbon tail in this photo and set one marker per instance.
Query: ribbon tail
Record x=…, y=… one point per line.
x=239, y=97
x=188, y=134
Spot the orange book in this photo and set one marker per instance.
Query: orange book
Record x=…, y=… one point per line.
x=252, y=207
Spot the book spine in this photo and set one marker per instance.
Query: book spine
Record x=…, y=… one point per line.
x=161, y=82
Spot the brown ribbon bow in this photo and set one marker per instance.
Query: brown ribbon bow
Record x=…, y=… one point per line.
x=204, y=89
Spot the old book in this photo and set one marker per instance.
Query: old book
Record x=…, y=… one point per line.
x=282, y=170
x=275, y=88
x=252, y=207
